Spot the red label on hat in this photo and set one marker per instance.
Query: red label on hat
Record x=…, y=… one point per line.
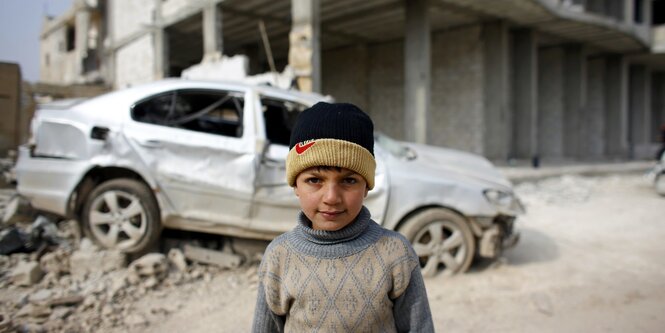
x=300, y=148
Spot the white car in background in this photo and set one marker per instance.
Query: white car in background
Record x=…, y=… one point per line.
x=209, y=157
x=657, y=175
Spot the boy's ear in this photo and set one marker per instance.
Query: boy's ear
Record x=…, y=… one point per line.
x=295, y=190
x=366, y=191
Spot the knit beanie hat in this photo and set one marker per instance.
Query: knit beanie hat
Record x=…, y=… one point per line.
x=336, y=135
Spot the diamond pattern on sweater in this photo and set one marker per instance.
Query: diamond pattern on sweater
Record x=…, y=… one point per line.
x=352, y=293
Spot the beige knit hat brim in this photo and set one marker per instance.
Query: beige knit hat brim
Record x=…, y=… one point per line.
x=330, y=152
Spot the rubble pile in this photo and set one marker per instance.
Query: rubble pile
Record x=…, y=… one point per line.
x=54, y=281
x=564, y=190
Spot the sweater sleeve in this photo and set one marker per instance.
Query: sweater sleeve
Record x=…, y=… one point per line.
x=411, y=309
x=264, y=319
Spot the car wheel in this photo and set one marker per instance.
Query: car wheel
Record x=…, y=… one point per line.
x=441, y=239
x=122, y=214
x=660, y=184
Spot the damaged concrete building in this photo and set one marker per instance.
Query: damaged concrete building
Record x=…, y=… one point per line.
x=508, y=79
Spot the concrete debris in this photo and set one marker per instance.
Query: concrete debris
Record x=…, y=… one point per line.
x=177, y=259
x=235, y=68
x=27, y=274
x=135, y=319
x=53, y=280
x=208, y=256
x=87, y=260
x=17, y=210
x=56, y=262
x=150, y=269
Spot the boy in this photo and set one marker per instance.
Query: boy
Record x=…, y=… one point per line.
x=337, y=270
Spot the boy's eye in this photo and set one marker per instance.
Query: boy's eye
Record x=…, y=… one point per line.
x=349, y=181
x=312, y=180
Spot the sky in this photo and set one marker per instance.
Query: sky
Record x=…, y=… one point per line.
x=20, y=26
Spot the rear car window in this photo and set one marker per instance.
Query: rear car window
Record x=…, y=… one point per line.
x=208, y=111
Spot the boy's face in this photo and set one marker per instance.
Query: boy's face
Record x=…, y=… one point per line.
x=330, y=197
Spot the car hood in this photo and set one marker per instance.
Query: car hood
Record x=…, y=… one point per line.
x=458, y=162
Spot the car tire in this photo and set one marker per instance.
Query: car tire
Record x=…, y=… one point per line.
x=122, y=214
x=659, y=184
x=441, y=239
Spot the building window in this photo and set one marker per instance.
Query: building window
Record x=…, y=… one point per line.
x=71, y=38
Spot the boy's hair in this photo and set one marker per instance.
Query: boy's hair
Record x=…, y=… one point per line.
x=334, y=135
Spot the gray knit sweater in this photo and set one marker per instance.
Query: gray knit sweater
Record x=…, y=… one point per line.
x=362, y=278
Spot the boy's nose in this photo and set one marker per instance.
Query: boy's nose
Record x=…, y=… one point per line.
x=331, y=196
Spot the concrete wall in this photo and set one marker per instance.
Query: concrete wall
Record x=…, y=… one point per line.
x=135, y=63
x=10, y=106
x=130, y=16
x=550, y=102
x=498, y=116
x=457, y=110
x=386, y=92
x=57, y=65
x=592, y=138
x=174, y=7
x=346, y=75
x=373, y=77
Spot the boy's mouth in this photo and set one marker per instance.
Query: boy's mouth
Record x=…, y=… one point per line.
x=330, y=214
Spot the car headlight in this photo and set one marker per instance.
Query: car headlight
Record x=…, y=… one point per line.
x=503, y=200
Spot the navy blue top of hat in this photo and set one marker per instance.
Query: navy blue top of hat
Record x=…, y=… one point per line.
x=342, y=121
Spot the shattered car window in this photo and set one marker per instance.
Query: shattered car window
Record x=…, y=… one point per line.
x=280, y=116
x=214, y=112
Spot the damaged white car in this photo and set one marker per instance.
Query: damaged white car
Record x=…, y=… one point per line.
x=209, y=157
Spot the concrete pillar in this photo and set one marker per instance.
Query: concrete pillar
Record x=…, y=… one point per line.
x=525, y=94
x=212, y=32
x=81, y=40
x=160, y=42
x=629, y=11
x=417, y=69
x=305, y=44
x=592, y=135
x=640, y=107
x=616, y=107
x=657, y=106
x=551, y=102
x=615, y=9
x=498, y=115
x=574, y=98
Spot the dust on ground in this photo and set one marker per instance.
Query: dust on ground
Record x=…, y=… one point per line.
x=589, y=259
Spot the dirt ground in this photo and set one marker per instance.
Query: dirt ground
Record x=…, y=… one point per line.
x=590, y=259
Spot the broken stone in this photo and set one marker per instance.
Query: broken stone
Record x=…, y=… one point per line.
x=34, y=311
x=55, y=262
x=66, y=300
x=177, y=259
x=26, y=274
x=151, y=265
x=60, y=313
x=31, y=328
x=5, y=323
x=71, y=230
x=135, y=319
x=40, y=296
x=86, y=261
x=17, y=210
x=208, y=256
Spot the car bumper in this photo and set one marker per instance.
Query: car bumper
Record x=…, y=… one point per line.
x=47, y=183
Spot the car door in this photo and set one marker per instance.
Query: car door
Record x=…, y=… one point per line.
x=275, y=205
x=199, y=146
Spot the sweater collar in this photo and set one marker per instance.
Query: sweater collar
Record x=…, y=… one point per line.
x=351, y=239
